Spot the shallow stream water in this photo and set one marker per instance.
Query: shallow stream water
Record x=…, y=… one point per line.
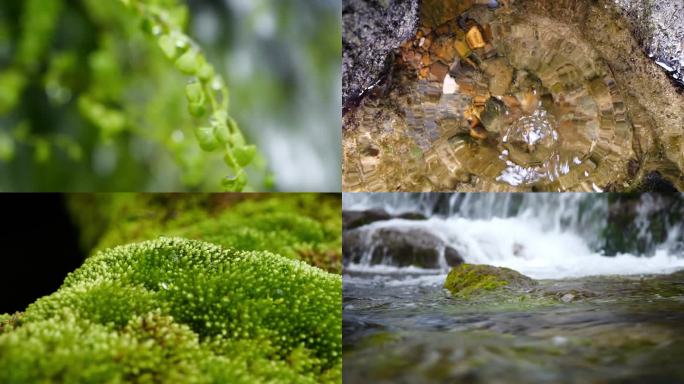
x=624, y=330
x=517, y=96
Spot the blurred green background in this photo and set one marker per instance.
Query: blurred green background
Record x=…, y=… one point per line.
x=89, y=103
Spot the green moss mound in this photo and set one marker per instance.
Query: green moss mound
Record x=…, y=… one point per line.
x=179, y=310
x=466, y=280
x=305, y=227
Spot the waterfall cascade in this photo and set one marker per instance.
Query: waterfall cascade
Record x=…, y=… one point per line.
x=542, y=235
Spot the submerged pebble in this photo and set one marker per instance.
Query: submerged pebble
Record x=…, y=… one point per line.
x=567, y=298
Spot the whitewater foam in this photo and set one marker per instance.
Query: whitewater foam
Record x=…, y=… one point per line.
x=528, y=245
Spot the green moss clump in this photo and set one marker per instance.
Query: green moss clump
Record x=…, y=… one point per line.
x=9, y=322
x=664, y=286
x=466, y=280
x=303, y=226
x=179, y=310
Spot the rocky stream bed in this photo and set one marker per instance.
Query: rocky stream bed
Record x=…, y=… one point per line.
x=601, y=329
x=540, y=95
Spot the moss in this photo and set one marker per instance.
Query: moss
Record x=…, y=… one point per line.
x=468, y=279
x=378, y=339
x=179, y=310
x=664, y=286
x=303, y=226
x=9, y=322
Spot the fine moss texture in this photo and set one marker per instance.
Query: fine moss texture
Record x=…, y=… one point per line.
x=299, y=226
x=179, y=310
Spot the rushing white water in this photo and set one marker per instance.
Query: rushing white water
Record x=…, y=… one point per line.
x=544, y=236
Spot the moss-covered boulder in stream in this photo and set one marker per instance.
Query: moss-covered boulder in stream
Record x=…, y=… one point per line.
x=178, y=310
x=466, y=280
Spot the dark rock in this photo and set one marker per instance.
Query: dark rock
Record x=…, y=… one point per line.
x=412, y=216
x=452, y=257
x=353, y=246
x=659, y=28
x=397, y=246
x=370, y=30
x=640, y=223
x=404, y=248
x=355, y=219
x=655, y=182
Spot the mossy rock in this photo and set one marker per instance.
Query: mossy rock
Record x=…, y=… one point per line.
x=671, y=285
x=466, y=280
x=179, y=310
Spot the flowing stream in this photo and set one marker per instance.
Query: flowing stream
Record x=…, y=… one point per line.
x=605, y=309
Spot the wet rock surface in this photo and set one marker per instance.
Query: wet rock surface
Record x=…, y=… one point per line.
x=370, y=30
x=659, y=27
x=600, y=329
x=354, y=219
x=535, y=96
x=401, y=246
x=640, y=223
